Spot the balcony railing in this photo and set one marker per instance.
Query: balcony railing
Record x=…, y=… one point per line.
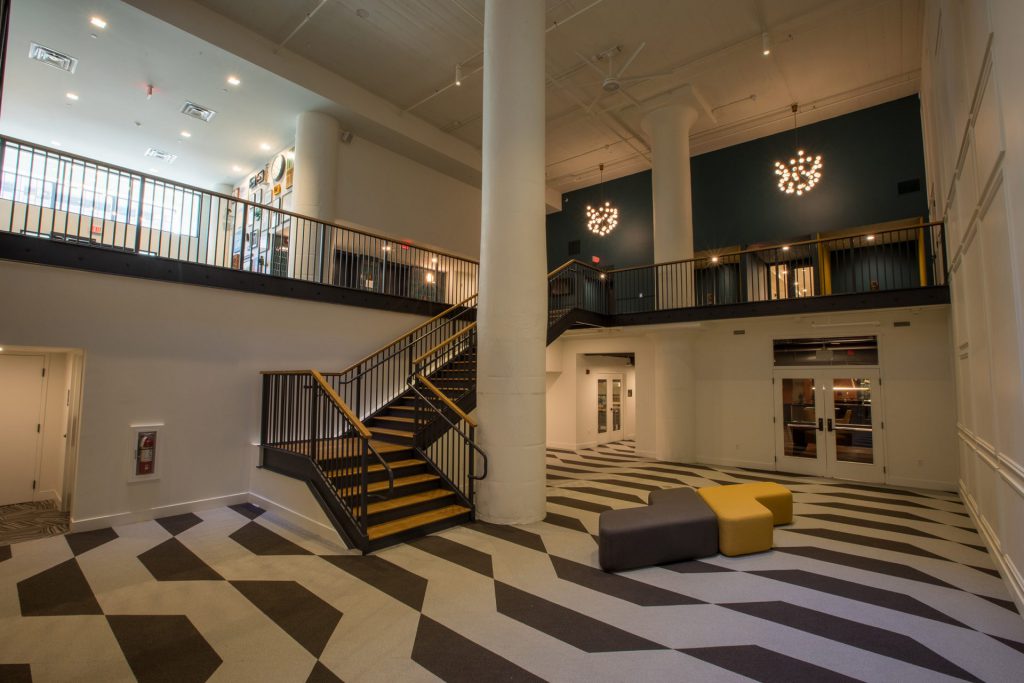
x=51, y=194
x=886, y=260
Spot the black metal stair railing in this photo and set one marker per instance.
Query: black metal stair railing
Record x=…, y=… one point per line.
x=896, y=259
x=443, y=383
x=304, y=416
x=54, y=195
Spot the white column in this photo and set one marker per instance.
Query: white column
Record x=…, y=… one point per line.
x=669, y=130
x=512, y=319
x=674, y=389
x=314, y=187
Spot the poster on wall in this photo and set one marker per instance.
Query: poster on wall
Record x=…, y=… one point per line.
x=144, y=452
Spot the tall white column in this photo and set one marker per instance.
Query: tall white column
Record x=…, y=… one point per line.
x=668, y=121
x=669, y=129
x=314, y=187
x=512, y=318
x=674, y=396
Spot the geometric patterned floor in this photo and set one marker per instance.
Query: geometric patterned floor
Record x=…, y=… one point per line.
x=868, y=583
x=25, y=521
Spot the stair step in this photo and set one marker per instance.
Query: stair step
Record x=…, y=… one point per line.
x=395, y=418
x=408, y=408
x=392, y=432
x=406, y=501
x=406, y=523
x=396, y=465
x=399, y=482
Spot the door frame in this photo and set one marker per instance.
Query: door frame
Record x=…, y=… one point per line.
x=826, y=464
x=37, y=456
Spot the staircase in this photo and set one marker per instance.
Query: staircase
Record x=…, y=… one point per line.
x=386, y=446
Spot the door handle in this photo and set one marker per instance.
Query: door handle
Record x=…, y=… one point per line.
x=830, y=424
x=820, y=425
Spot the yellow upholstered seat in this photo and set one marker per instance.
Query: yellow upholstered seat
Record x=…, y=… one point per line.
x=746, y=514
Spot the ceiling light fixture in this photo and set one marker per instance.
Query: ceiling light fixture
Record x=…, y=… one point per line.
x=802, y=172
x=603, y=219
x=766, y=44
x=186, y=134
x=714, y=259
x=71, y=96
x=871, y=238
x=458, y=74
x=265, y=146
x=234, y=80
x=98, y=22
x=236, y=168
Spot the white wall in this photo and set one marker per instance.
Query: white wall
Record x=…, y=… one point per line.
x=732, y=397
x=387, y=193
x=182, y=355
x=571, y=394
x=735, y=398
x=973, y=109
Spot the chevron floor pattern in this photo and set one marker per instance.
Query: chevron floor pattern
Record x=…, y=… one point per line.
x=25, y=521
x=869, y=583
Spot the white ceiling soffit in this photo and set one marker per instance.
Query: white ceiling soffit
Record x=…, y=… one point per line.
x=115, y=120
x=359, y=110
x=831, y=56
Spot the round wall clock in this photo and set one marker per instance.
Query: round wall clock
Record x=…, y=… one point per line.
x=277, y=167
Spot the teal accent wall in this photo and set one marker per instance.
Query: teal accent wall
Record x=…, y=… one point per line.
x=736, y=201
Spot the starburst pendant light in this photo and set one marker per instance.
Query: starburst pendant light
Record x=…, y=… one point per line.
x=603, y=218
x=802, y=172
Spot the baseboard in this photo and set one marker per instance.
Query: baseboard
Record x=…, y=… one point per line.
x=563, y=447
x=1011, y=576
x=296, y=519
x=586, y=444
x=49, y=495
x=929, y=484
x=102, y=521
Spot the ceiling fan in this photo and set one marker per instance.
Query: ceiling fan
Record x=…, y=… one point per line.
x=612, y=80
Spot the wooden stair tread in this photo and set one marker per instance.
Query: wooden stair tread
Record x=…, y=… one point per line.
x=376, y=486
x=391, y=432
x=396, y=465
x=406, y=501
x=394, y=418
x=406, y=523
x=402, y=407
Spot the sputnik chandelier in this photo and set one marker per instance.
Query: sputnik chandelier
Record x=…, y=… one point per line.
x=602, y=219
x=802, y=172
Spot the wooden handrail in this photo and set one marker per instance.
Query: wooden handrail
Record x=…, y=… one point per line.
x=570, y=262
x=447, y=401
x=341, y=405
x=410, y=332
x=445, y=343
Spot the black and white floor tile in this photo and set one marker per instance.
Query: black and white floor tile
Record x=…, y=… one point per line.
x=869, y=583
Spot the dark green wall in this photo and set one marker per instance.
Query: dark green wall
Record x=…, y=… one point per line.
x=736, y=200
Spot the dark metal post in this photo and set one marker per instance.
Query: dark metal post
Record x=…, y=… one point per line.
x=5, y=28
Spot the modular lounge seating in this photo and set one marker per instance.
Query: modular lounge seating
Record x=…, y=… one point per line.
x=677, y=525
x=683, y=524
x=747, y=514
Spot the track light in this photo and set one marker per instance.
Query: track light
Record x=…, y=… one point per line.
x=458, y=74
x=766, y=45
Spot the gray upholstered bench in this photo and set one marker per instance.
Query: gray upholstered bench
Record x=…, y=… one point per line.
x=677, y=525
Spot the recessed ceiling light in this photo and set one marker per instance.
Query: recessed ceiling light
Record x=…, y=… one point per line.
x=236, y=168
x=265, y=146
x=98, y=22
x=186, y=134
x=71, y=96
x=55, y=143
x=871, y=238
x=234, y=80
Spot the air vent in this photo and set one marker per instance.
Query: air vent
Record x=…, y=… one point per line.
x=739, y=331
x=154, y=153
x=57, y=60
x=197, y=111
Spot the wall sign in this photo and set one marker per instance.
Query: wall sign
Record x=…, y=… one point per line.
x=145, y=451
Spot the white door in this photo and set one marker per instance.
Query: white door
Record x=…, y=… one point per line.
x=826, y=423
x=21, y=402
x=852, y=422
x=610, y=390
x=799, y=423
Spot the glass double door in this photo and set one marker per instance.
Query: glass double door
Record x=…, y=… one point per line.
x=609, y=408
x=827, y=423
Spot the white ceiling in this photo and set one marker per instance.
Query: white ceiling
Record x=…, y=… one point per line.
x=114, y=121
x=830, y=56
